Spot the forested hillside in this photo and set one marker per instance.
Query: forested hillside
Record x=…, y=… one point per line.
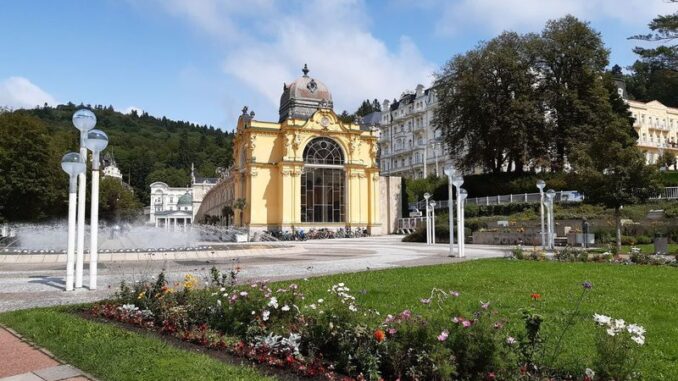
x=146, y=148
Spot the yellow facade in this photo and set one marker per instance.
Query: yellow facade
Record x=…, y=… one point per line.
x=657, y=128
x=269, y=164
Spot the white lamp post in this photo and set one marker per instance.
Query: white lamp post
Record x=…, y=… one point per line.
x=433, y=222
x=458, y=181
x=96, y=142
x=84, y=120
x=450, y=172
x=460, y=222
x=550, y=194
x=541, y=184
x=428, y=224
x=73, y=165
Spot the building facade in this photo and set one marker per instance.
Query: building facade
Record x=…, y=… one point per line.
x=409, y=145
x=175, y=207
x=308, y=170
x=657, y=128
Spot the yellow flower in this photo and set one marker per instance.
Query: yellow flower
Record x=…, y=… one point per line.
x=142, y=294
x=190, y=281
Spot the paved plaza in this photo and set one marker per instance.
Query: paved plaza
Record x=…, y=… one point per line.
x=26, y=285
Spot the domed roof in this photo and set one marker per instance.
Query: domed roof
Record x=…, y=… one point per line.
x=303, y=96
x=186, y=199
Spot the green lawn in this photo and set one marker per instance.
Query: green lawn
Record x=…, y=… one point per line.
x=646, y=295
x=111, y=353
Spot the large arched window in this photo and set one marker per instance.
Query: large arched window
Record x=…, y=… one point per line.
x=322, y=182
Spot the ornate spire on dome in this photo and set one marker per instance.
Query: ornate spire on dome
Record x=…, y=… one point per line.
x=305, y=70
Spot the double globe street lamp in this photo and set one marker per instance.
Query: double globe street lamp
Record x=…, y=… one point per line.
x=74, y=166
x=96, y=142
x=450, y=172
x=84, y=120
x=458, y=181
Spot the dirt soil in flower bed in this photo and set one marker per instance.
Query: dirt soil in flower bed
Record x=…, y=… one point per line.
x=266, y=370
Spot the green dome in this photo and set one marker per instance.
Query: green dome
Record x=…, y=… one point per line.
x=186, y=199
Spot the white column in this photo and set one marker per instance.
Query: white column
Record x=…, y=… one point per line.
x=428, y=225
x=450, y=211
x=185, y=223
x=94, y=229
x=156, y=222
x=541, y=210
x=70, y=252
x=460, y=227
x=462, y=239
x=433, y=225
x=82, y=187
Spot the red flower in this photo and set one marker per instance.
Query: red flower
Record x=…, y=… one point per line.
x=491, y=376
x=379, y=335
x=536, y=296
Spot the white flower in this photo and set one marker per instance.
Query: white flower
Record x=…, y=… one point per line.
x=285, y=308
x=589, y=372
x=611, y=331
x=222, y=289
x=510, y=340
x=320, y=301
x=219, y=302
x=352, y=308
x=265, y=315
x=273, y=302
x=602, y=319
x=253, y=313
x=639, y=339
x=340, y=285
x=311, y=306
x=619, y=324
x=635, y=329
x=243, y=293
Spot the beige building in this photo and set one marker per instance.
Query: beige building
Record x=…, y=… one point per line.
x=657, y=127
x=409, y=145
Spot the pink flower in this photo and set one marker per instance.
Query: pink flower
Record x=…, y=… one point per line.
x=392, y=331
x=484, y=305
x=389, y=319
x=443, y=335
x=454, y=293
x=406, y=314
x=466, y=323
x=425, y=301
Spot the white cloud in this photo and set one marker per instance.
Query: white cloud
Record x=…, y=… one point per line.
x=19, y=92
x=530, y=15
x=331, y=36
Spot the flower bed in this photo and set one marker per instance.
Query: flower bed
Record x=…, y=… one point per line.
x=336, y=338
x=569, y=254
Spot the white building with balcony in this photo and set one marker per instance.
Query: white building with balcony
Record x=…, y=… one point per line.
x=657, y=128
x=409, y=145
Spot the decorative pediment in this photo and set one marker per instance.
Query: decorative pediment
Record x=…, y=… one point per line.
x=327, y=120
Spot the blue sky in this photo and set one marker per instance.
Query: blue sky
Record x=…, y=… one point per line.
x=202, y=60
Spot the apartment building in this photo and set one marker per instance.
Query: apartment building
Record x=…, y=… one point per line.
x=409, y=145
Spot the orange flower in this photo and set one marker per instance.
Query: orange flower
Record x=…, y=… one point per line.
x=536, y=296
x=379, y=335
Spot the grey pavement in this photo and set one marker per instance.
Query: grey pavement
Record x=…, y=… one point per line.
x=26, y=285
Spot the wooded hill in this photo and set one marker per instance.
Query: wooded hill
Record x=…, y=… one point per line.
x=146, y=149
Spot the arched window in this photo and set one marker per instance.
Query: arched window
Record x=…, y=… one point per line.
x=323, y=151
x=322, y=182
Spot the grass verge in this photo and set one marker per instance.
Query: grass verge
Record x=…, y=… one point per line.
x=111, y=353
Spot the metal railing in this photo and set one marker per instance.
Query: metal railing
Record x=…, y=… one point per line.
x=561, y=196
x=669, y=193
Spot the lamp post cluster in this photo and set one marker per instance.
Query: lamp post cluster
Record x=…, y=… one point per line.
x=455, y=180
x=75, y=165
x=546, y=200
